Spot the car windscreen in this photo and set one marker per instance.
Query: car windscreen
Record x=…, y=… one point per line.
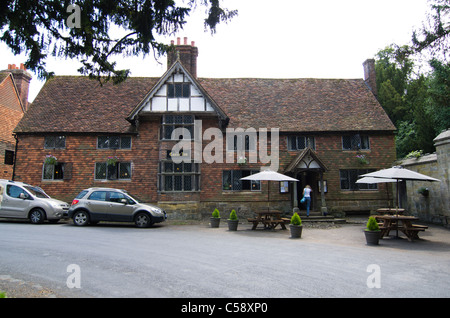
x=37, y=192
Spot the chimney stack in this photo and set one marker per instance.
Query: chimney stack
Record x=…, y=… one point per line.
x=187, y=53
x=369, y=76
x=22, y=80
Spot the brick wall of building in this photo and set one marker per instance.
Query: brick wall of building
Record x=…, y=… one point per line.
x=147, y=149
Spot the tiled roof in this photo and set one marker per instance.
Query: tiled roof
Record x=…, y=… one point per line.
x=299, y=104
x=10, y=108
x=77, y=104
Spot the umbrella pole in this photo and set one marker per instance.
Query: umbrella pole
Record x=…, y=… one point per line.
x=396, y=211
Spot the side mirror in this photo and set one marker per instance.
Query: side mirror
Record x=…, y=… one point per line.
x=124, y=201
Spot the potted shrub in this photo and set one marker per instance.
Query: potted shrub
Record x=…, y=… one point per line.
x=372, y=231
x=296, y=226
x=215, y=219
x=233, y=221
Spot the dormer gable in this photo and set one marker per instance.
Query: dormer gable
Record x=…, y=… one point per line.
x=177, y=91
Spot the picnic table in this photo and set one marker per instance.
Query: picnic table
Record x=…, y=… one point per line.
x=270, y=219
x=401, y=223
x=391, y=211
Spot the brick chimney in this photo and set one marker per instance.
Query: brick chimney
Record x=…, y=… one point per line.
x=369, y=76
x=22, y=80
x=187, y=53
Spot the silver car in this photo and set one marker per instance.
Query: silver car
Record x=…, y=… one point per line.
x=23, y=201
x=106, y=204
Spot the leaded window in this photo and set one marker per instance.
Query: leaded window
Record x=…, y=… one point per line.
x=231, y=180
x=355, y=142
x=301, y=142
x=114, y=142
x=184, y=176
x=55, y=142
x=349, y=177
x=170, y=122
x=117, y=171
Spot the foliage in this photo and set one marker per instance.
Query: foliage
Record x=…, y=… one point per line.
x=3, y=295
x=45, y=27
x=233, y=215
x=414, y=154
x=423, y=191
x=216, y=213
x=434, y=35
x=50, y=160
x=418, y=104
x=295, y=219
x=372, y=224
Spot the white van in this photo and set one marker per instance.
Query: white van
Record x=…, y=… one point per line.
x=23, y=201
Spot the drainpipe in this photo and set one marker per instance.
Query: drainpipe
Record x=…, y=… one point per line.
x=15, y=156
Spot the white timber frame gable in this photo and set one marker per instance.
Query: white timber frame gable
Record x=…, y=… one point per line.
x=177, y=91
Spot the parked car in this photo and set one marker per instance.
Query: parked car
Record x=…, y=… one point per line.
x=106, y=204
x=23, y=201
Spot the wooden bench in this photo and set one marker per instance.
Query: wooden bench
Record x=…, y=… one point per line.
x=267, y=223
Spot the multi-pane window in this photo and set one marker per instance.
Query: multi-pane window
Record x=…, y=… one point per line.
x=55, y=142
x=179, y=90
x=184, y=176
x=350, y=176
x=117, y=171
x=355, y=142
x=57, y=171
x=114, y=142
x=231, y=180
x=248, y=141
x=301, y=142
x=170, y=122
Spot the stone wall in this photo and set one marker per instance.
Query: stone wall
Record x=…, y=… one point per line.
x=434, y=207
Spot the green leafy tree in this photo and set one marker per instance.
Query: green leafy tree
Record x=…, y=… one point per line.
x=439, y=94
x=84, y=31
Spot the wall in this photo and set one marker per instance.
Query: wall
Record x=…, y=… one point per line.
x=435, y=207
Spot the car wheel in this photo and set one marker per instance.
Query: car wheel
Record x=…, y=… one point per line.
x=37, y=216
x=81, y=218
x=143, y=220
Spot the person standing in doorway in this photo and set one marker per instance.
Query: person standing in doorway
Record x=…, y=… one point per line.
x=307, y=195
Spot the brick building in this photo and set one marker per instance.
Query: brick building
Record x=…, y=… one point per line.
x=14, y=85
x=171, y=140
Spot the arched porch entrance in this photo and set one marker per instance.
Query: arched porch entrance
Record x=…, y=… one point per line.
x=308, y=169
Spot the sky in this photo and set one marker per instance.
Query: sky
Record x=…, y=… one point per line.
x=277, y=39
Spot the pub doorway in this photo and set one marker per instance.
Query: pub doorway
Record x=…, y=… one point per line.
x=310, y=178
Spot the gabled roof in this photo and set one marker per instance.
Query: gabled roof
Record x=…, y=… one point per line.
x=306, y=160
x=177, y=66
